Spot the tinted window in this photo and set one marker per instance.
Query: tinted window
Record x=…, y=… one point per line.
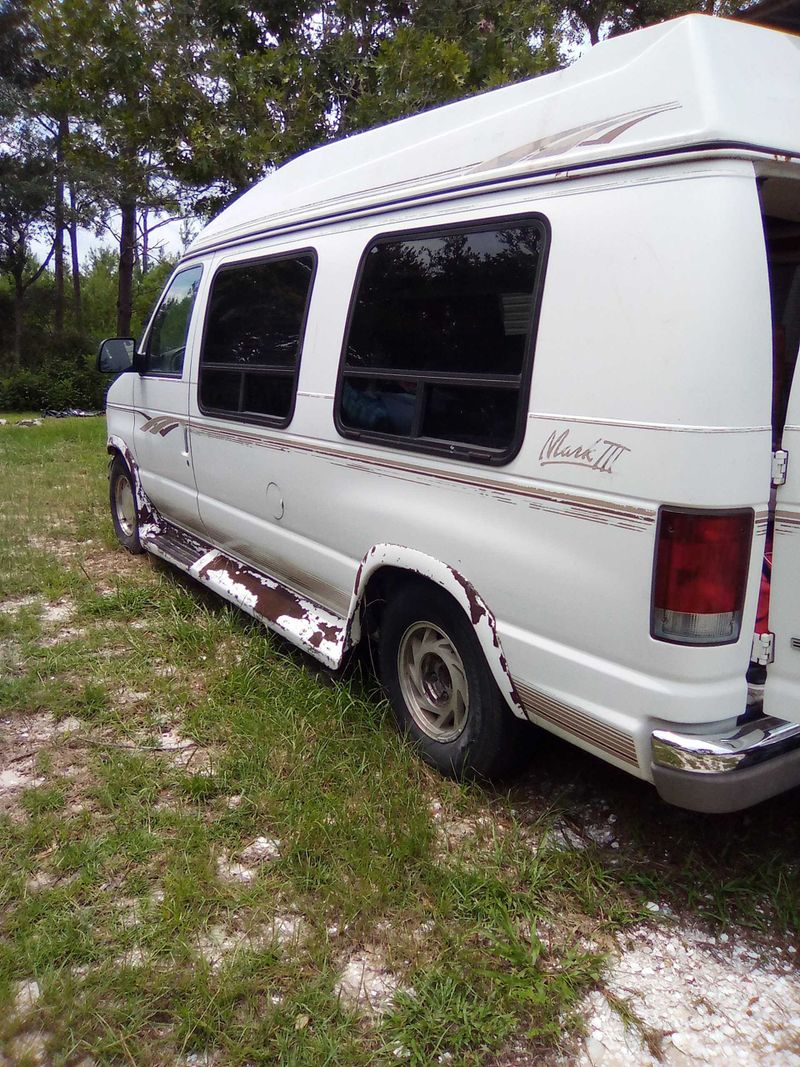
x=440, y=338
x=253, y=338
x=166, y=346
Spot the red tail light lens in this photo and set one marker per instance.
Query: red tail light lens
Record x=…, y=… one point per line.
x=702, y=558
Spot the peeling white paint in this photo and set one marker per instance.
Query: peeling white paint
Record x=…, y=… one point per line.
x=231, y=589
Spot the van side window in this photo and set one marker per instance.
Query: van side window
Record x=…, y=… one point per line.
x=253, y=337
x=166, y=345
x=439, y=345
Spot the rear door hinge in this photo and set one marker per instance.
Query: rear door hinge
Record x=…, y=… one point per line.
x=780, y=461
x=763, y=649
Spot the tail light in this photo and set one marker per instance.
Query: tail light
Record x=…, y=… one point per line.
x=702, y=559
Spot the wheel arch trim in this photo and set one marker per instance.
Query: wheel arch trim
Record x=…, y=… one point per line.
x=399, y=557
x=149, y=519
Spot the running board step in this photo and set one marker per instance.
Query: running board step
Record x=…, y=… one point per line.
x=176, y=546
x=306, y=624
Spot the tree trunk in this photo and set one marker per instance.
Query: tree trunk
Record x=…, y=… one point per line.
x=76, y=270
x=19, y=297
x=145, y=263
x=127, y=252
x=58, y=266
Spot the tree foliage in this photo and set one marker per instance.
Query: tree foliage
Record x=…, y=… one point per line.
x=115, y=114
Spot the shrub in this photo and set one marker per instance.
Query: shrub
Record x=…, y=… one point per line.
x=57, y=385
x=22, y=391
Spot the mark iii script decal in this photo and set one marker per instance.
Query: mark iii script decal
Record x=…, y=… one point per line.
x=600, y=456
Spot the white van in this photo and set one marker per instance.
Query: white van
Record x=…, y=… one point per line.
x=493, y=387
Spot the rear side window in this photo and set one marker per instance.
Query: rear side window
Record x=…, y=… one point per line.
x=439, y=345
x=253, y=339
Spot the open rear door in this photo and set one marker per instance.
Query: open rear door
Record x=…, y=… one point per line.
x=781, y=199
x=782, y=692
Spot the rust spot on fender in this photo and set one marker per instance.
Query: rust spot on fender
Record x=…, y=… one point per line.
x=359, y=572
x=477, y=608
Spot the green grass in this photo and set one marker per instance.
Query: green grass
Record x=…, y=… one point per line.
x=113, y=863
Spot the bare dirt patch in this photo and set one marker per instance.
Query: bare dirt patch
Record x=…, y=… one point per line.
x=199, y=1059
x=261, y=850
x=103, y=566
x=69, y=633
x=11, y=662
x=26, y=996
x=23, y=740
x=187, y=754
x=51, y=613
x=30, y=1048
x=125, y=697
x=106, y=566
x=60, y=547
x=454, y=831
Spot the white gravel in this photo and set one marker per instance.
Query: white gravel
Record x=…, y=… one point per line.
x=26, y=996
x=244, y=867
x=218, y=942
x=707, y=1001
x=365, y=983
x=60, y=611
x=261, y=850
x=15, y=604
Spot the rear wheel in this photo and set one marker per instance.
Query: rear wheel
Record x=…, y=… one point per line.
x=440, y=687
x=123, y=506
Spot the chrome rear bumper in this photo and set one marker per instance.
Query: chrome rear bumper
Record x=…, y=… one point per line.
x=728, y=770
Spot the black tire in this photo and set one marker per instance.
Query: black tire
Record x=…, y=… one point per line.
x=122, y=499
x=440, y=688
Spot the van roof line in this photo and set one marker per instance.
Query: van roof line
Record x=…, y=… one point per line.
x=694, y=81
x=286, y=225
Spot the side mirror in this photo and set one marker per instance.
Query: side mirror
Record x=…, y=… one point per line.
x=116, y=354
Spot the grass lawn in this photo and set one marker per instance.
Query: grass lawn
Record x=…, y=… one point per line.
x=213, y=852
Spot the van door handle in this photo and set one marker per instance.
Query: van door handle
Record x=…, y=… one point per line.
x=185, y=452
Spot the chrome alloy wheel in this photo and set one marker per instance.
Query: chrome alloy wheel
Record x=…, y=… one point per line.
x=125, y=506
x=433, y=681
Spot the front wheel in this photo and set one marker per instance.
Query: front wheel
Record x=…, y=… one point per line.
x=123, y=506
x=440, y=687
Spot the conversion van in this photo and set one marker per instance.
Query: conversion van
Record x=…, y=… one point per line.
x=507, y=388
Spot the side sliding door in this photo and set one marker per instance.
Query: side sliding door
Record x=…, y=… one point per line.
x=245, y=400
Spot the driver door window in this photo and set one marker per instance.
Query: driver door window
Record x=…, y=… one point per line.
x=166, y=345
